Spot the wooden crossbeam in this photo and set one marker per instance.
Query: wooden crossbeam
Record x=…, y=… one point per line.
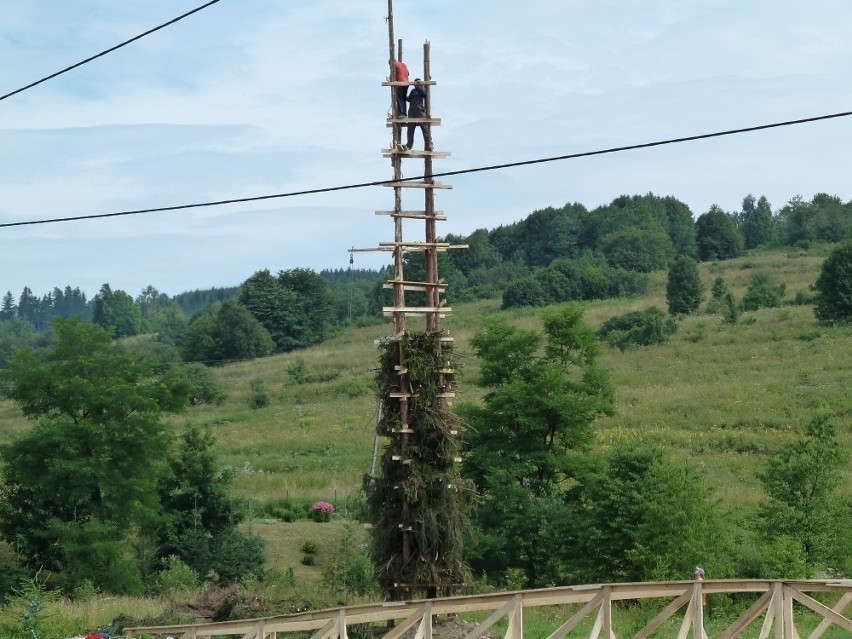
x=412, y=184
x=415, y=215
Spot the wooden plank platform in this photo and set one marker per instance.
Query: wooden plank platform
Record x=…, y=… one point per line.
x=411, y=184
x=416, y=310
x=414, y=215
x=417, y=244
x=410, y=83
x=403, y=121
x=414, y=153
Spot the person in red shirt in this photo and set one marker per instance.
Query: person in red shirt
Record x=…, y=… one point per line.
x=400, y=74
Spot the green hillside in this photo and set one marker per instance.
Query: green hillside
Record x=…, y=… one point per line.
x=723, y=395
x=299, y=427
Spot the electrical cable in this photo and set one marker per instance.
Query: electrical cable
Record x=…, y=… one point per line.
x=107, y=51
x=492, y=167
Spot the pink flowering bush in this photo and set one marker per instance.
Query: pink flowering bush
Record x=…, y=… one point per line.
x=322, y=511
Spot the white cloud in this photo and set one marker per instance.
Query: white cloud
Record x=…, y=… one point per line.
x=246, y=99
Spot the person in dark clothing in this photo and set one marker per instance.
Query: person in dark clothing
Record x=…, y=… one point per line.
x=417, y=109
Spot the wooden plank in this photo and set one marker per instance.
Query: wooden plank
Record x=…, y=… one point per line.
x=414, y=215
x=410, y=83
x=416, y=184
x=687, y=618
x=748, y=616
x=825, y=611
x=515, y=627
x=839, y=607
x=491, y=620
x=416, y=288
x=666, y=612
x=406, y=120
x=417, y=244
x=415, y=153
x=405, y=624
x=416, y=309
x=581, y=614
x=385, y=611
x=787, y=606
x=441, y=284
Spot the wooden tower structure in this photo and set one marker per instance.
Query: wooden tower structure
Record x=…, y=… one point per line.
x=418, y=497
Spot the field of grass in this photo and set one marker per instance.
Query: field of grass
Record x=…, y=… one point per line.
x=722, y=395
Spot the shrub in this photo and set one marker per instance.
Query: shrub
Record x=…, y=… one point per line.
x=730, y=309
x=258, y=400
x=683, y=288
x=309, y=560
x=350, y=569
x=207, y=390
x=834, y=286
x=641, y=328
x=310, y=547
x=259, y=397
x=322, y=511
x=176, y=577
x=763, y=292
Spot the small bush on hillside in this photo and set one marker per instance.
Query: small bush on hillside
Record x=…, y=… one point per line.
x=309, y=560
x=763, y=292
x=803, y=298
x=207, y=389
x=350, y=570
x=280, y=507
x=176, y=577
x=731, y=310
x=640, y=328
x=299, y=374
x=322, y=511
x=684, y=290
x=12, y=572
x=259, y=398
x=309, y=547
x=834, y=286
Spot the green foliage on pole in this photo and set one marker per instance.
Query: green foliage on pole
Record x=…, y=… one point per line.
x=419, y=503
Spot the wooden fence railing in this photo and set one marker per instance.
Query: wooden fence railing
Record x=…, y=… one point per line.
x=774, y=604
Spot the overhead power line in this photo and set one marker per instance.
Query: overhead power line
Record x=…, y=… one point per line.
x=110, y=50
x=492, y=167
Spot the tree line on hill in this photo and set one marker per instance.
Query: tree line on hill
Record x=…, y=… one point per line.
x=554, y=255
x=99, y=490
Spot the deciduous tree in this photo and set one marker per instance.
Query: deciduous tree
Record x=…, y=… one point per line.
x=684, y=290
x=80, y=495
x=803, y=483
x=543, y=392
x=717, y=236
x=834, y=286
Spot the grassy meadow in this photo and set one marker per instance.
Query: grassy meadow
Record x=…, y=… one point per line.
x=723, y=396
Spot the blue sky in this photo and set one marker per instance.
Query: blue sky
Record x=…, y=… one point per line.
x=258, y=97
